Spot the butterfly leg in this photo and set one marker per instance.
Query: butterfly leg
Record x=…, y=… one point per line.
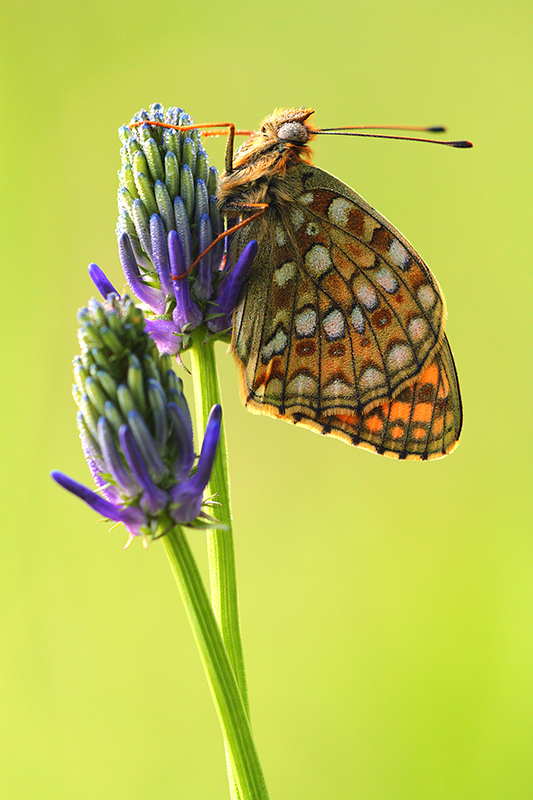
x=231, y=133
x=241, y=207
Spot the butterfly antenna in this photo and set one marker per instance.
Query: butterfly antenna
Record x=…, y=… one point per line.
x=422, y=128
x=342, y=132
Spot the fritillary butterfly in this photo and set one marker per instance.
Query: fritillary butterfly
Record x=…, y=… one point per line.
x=340, y=327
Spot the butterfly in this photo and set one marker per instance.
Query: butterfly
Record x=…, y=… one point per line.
x=340, y=326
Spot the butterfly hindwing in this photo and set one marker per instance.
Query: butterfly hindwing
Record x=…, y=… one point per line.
x=339, y=317
x=422, y=421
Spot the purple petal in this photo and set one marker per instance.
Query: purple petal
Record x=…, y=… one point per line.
x=209, y=447
x=160, y=253
x=123, y=226
x=176, y=253
x=219, y=324
x=186, y=314
x=152, y=297
x=228, y=293
x=188, y=504
x=147, y=446
x=203, y=284
x=165, y=334
x=188, y=495
x=155, y=498
x=95, y=501
x=182, y=429
x=106, y=489
x=113, y=461
x=183, y=229
x=101, y=281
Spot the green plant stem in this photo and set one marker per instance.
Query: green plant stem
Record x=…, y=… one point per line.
x=221, y=554
x=226, y=693
x=220, y=542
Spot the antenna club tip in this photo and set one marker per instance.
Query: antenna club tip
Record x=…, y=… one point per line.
x=437, y=129
x=463, y=144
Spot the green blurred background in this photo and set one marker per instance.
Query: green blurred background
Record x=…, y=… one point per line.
x=386, y=607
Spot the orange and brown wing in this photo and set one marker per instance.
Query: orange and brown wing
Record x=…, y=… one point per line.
x=369, y=271
x=296, y=374
x=421, y=422
x=339, y=316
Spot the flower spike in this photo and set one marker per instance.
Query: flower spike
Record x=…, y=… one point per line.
x=135, y=425
x=168, y=217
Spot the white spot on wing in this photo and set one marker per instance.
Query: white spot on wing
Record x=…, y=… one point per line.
x=398, y=254
x=302, y=384
x=307, y=198
x=417, y=329
x=280, y=341
x=317, y=260
x=282, y=316
x=366, y=294
x=305, y=322
x=371, y=377
x=297, y=218
x=275, y=346
x=281, y=237
x=386, y=280
x=426, y=296
x=285, y=273
x=333, y=324
x=337, y=388
x=338, y=211
x=399, y=356
x=358, y=321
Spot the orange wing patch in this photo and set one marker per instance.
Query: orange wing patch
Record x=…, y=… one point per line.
x=422, y=422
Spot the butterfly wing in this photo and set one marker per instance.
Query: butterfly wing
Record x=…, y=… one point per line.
x=421, y=422
x=338, y=317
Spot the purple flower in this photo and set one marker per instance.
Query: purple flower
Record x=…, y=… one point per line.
x=168, y=217
x=135, y=426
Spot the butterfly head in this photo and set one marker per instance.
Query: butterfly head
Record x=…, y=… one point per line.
x=287, y=125
x=283, y=134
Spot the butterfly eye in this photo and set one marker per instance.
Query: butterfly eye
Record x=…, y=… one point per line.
x=293, y=132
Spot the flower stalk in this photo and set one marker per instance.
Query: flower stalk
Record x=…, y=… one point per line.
x=231, y=711
x=221, y=551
